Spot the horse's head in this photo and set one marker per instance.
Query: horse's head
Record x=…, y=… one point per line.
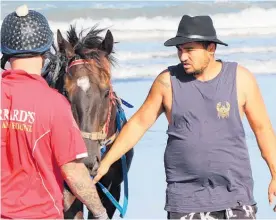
x=87, y=82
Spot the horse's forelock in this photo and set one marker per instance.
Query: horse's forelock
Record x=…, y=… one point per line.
x=72, y=36
x=91, y=41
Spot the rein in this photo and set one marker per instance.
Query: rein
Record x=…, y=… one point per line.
x=100, y=136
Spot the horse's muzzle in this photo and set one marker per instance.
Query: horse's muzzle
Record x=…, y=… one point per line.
x=92, y=164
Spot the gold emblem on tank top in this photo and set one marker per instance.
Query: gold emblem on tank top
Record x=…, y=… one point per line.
x=223, y=110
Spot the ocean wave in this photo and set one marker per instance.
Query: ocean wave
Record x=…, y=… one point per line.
x=252, y=17
x=144, y=71
x=161, y=35
x=131, y=55
x=259, y=66
x=141, y=70
x=129, y=10
x=251, y=21
x=130, y=5
x=249, y=18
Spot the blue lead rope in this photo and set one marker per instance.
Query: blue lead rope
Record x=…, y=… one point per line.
x=126, y=103
x=121, y=209
x=120, y=121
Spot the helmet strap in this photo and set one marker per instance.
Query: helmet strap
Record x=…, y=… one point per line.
x=4, y=60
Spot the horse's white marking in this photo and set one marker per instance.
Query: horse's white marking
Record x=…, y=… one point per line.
x=84, y=83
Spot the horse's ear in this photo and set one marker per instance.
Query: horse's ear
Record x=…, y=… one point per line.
x=64, y=46
x=107, y=44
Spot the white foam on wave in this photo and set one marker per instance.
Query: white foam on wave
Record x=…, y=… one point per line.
x=131, y=55
x=251, y=21
x=267, y=49
x=259, y=66
x=150, y=36
x=128, y=71
x=248, y=18
x=253, y=17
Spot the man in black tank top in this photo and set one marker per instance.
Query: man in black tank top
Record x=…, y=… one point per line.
x=207, y=165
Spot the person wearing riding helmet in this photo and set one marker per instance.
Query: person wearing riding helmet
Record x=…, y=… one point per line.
x=41, y=145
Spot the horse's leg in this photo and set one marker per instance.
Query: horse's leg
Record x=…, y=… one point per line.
x=110, y=208
x=73, y=208
x=115, y=190
x=129, y=157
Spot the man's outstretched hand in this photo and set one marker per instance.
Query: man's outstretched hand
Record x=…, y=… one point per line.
x=102, y=170
x=272, y=192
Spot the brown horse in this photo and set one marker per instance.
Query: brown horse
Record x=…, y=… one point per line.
x=83, y=75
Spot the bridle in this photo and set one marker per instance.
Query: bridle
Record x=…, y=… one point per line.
x=100, y=136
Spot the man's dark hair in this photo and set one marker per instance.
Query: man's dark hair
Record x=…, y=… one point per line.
x=205, y=44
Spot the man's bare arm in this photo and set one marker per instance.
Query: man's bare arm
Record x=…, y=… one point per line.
x=259, y=120
x=141, y=121
x=163, y=82
x=78, y=179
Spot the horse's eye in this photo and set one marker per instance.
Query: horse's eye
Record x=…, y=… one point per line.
x=106, y=93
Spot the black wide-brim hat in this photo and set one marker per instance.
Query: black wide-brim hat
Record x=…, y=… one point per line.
x=191, y=29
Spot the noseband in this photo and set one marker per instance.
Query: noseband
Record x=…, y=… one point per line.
x=100, y=136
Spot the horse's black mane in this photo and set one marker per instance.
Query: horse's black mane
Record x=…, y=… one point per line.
x=81, y=44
